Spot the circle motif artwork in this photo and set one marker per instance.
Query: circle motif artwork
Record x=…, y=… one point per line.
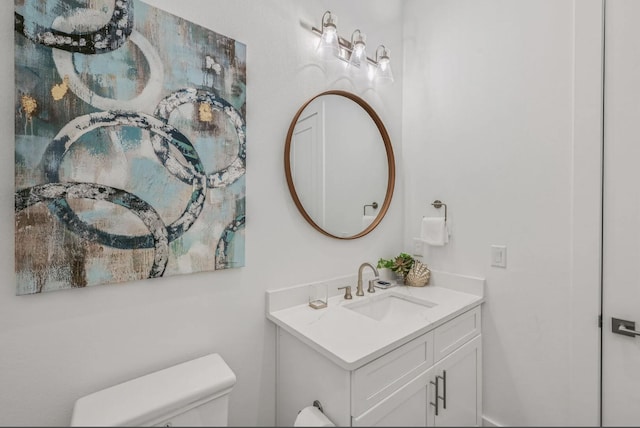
x=122, y=169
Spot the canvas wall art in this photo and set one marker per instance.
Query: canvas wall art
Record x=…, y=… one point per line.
x=130, y=145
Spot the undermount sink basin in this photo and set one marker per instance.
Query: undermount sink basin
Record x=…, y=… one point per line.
x=391, y=306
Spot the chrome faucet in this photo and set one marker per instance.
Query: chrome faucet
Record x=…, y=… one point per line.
x=359, y=290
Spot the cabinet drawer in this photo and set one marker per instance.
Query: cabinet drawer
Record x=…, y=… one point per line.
x=377, y=380
x=455, y=333
x=406, y=407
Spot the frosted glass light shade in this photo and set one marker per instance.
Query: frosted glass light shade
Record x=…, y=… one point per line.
x=358, y=58
x=359, y=55
x=383, y=72
x=328, y=46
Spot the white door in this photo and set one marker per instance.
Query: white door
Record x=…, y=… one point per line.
x=621, y=237
x=307, y=162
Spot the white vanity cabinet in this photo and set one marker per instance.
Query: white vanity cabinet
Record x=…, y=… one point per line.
x=395, y=389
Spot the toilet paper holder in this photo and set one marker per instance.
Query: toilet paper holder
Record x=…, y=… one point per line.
x=317, y=404
x=313, y=416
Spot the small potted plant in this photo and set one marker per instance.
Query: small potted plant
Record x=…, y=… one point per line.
x=401, y=264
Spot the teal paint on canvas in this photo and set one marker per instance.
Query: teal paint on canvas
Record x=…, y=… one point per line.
x=148, y=109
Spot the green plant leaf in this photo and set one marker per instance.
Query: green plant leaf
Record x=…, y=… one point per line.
x=382, y=263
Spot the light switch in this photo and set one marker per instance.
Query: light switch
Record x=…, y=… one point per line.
x=499, y=256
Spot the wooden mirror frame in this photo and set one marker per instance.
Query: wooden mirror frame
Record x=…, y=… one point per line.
x=391, y=168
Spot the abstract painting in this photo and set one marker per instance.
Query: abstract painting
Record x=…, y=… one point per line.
x=130, y=145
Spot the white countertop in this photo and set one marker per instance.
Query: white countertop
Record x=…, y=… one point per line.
x=351, y=339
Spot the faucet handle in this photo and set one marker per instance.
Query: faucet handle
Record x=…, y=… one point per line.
x=371, y=288
x=347, y=292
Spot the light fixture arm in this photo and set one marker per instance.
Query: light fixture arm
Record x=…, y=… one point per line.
x=353, y=38
x=385, y=53
x=329, y=21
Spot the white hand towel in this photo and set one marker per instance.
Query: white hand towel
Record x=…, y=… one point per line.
x=434, y=231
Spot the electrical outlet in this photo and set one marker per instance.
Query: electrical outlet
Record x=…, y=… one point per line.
x=499, y=256
x=418, y=247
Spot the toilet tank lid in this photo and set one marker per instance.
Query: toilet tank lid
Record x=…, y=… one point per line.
x=142, y=399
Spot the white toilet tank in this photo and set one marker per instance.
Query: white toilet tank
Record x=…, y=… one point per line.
x=195, y=393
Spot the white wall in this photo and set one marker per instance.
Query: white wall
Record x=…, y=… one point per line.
x=501, y=122
x=58, y=346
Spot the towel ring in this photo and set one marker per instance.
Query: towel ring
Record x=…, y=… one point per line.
x=374, y=205
x=439, y=204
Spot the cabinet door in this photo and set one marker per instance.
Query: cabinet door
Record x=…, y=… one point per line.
x=459, y=386
x=406, y=407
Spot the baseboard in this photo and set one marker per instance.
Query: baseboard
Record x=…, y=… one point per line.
x=486, y=422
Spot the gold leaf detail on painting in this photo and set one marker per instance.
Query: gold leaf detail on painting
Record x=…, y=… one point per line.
x=29, y=105
x=59, y=91
x=204, y=113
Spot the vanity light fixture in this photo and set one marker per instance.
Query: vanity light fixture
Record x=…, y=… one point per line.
x=358, y=56
x=384, y=65
x=329, y=45
x=353, y=52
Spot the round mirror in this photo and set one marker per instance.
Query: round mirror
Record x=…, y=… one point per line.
x=339, y=165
